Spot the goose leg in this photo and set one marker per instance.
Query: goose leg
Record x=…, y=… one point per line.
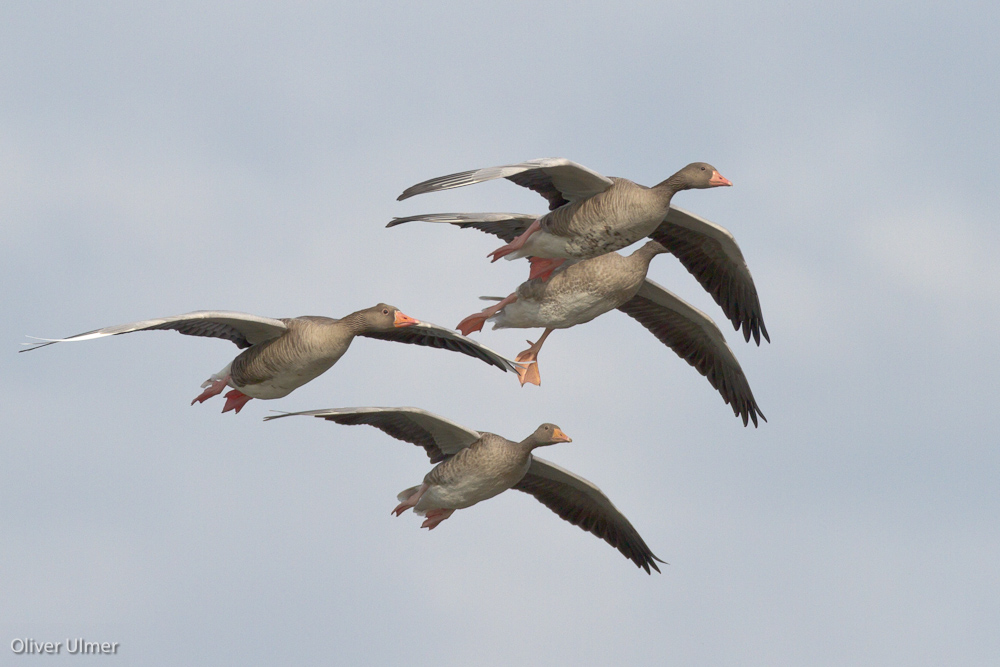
x=215, y=388
x=411, y=501
x=516, y=244
x=476, y=321
x=542, y=267
x=530, y=373
x=235, y=400
x=434, y=517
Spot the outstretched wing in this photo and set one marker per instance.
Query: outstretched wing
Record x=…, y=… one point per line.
x=582, y=504
x=241, y=328
x=439, y=436
x=432, y=335
x=507, y=226
x=694, y=337
x=557, y=179
x=712, y=256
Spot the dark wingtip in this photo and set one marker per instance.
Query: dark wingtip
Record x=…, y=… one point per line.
x=754, y=413
x=34, y=346
x=745, y=326
x=651, y=563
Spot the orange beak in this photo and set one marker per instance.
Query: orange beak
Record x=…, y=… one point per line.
x=718, y=179
x=404, y=320
x=559, y=436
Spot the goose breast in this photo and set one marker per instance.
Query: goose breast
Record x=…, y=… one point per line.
x=605, y=222
x=486, y=469
x=577, y=294
x=277, y=367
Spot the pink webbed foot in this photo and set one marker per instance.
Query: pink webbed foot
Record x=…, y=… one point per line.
x=215, y=388
x=528, y=373
x=472, y=323
x=516, y=244
x=435, y=517
x=235, y=400
x=410, y=502
x=476, y=321
x=542, y=267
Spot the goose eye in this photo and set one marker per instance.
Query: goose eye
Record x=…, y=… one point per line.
x=703, y=169
x=385, y=311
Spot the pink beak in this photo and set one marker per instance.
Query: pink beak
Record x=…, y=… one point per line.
x=559, y=436
x=404, y=320
x=718, y=179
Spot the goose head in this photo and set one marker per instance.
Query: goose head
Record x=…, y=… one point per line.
x=384, y=317
x=546, y=434
x=698, y=175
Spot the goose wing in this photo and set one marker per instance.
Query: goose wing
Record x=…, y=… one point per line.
x=694, y=337
x=507, y=226
x=241, y=328
x=583, y=504
x=432, y=335
x=710, y=253
x=440, y=437
x=557, y=179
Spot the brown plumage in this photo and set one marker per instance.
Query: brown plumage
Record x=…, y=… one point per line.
x=282, y=355
x=474, y=466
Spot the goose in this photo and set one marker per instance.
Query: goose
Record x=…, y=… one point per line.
x=473, y=466
x=281, y=355
x=589, y=214
x=708, y=251
x=579, y=292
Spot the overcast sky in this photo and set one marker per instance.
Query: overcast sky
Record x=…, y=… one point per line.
x=158, y=159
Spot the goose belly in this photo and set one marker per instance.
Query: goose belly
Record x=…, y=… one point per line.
x=558, y=313
x=544, y=244
x=611, y=222
x=287, y=380
x=609, y=236
x=465, y=491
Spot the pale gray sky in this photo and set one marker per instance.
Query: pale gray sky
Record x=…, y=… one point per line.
x=157, y=159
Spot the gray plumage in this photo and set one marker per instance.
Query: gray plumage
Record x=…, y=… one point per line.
x=492, y=461
x=507, y=226
x=282, y=355
x=557, y=179
x=241, y=328
x=585, y=290
x=590, y=214
x=695, y=338
x=708, y=251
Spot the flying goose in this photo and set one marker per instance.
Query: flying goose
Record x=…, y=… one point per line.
x=709, y=252
x=473, y=466
x=581, y=291
x=281, y=355
x=589, y=214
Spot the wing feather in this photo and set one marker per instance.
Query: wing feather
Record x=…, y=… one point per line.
x=695, y=338
x=433, y=335
x=440, y=437
x=710, y=253
x=507, y=226
x=241, y=328
x=557, y=179
x=583, y=504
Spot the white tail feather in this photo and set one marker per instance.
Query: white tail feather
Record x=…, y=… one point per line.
x=221, y=375
x=403, y=496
